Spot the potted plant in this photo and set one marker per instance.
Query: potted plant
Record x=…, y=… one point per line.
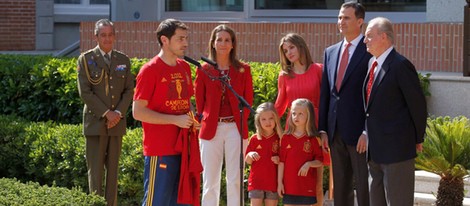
x=446, y=152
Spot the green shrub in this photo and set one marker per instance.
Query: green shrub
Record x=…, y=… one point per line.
x=57, y=153
x=13, y=192
x=12, y=149
x=131, y=169
x=447, y=153
x=42, y=88
x=39, y=88
x=54, y=154
x=425, y=82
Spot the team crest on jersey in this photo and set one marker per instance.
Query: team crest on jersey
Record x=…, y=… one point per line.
x=307, y=146
x=164, y=79
x=275, y=147
x=288, y=146
x=259, y=147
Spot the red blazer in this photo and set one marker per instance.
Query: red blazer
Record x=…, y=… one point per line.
x=208, y=96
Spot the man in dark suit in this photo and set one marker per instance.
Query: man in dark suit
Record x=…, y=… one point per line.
x=341, y=109
x=395, y=118
x=106, y=86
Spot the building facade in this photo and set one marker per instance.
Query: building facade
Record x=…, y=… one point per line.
x=431, y=36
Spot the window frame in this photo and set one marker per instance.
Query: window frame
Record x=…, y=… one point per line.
x=82, y=9
x=249, y=14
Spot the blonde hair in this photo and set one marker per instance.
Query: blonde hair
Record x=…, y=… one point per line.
x=310, y=127
x=267, y=107
x=304, y=53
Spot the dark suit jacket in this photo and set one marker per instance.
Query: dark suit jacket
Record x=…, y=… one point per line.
x=396, y=113
x=343, y=110
x=209, y=93
x=120, y=82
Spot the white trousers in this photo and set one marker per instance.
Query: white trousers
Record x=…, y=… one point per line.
x=227, y=138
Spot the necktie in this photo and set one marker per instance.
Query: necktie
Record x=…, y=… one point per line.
x=371, y=80
x=342, y=66
x=107, y=59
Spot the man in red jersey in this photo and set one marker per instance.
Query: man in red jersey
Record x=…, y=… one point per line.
x=162, y=102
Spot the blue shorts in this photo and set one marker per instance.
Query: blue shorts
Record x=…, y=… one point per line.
x=298, y=200
x=161, y=178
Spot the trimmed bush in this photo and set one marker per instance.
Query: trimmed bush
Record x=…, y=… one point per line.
x=43, y=88
x=13, y=148
x=13, y=192
x=54, y=154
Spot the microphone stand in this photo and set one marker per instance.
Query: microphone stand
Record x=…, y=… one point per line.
x=242, y=103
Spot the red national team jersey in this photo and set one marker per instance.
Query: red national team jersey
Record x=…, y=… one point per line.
x=294, y=152
x=168, y=90
x=263, y=173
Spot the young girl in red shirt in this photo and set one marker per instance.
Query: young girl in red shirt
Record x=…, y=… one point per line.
x=262, y=154
x=300, y=155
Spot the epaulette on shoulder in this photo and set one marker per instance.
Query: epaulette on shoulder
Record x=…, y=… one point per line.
x=87, y=52
x=121, y=53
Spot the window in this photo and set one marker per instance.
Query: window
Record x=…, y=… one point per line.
x=81, y=7
x=395, y=5
x=298, y=4
x=99, y=1
x=327, y=10
x=203, y=5
x=371, y=5
x=82, y=2
x=67, y=1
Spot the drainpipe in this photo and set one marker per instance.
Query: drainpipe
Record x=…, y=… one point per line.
x=466, y=40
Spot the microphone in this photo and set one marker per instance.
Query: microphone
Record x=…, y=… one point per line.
x=192, y=61
x=213, y=63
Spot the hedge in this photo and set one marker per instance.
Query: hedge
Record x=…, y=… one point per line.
x=43, y=88
x=51, y=153
x=13, y=192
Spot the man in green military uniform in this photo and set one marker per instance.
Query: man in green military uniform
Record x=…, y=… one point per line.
x=106, y=86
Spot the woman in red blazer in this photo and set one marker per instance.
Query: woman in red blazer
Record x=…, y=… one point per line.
x=220, y=122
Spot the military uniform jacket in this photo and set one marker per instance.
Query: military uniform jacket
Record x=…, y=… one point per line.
x=104, y=88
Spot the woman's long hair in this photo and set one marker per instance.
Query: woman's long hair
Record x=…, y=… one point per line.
x=305, y=57
x=233, y=53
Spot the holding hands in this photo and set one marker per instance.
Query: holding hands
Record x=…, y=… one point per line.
x=254, y=156
x=275, y=159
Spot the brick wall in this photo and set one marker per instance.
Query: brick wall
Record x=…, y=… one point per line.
x=434, y=47
x=18, y=24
